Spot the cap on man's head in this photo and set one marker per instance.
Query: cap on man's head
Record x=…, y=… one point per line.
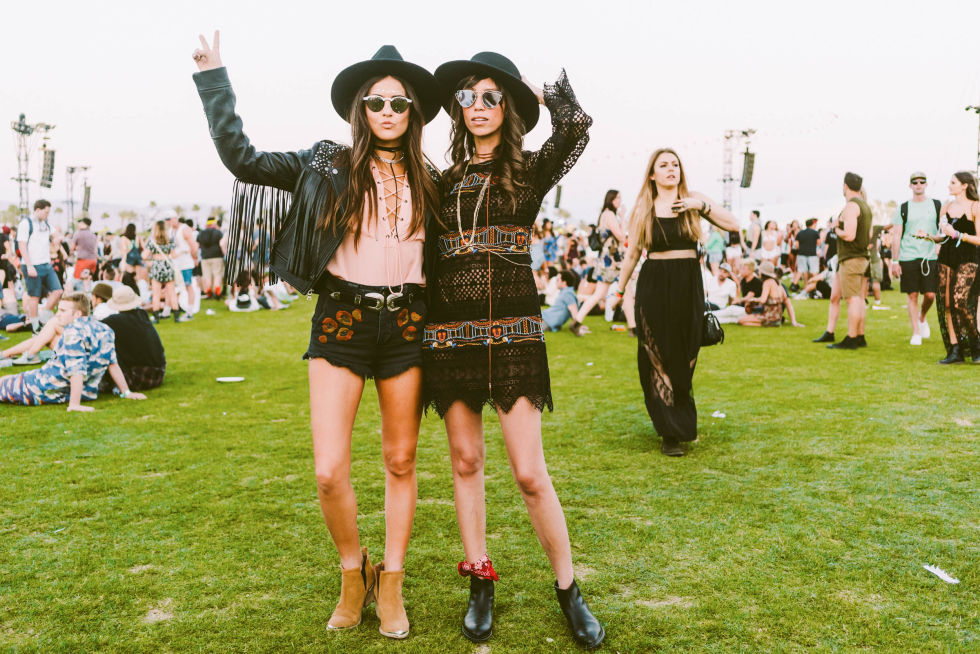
x=212, y=221
x=917, y=175
x=102, y=291
x=726, y=267
x=853, y=181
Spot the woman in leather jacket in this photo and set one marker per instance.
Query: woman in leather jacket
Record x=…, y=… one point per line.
x=347, y=223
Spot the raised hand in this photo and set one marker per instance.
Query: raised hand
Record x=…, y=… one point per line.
x=208, y=57
x=539, y=94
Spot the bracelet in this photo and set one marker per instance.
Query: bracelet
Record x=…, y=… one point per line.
x=619, y=293
x=124, y=394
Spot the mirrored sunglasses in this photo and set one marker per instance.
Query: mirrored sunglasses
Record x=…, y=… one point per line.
x=918, y=181
x=490, y=99
x=375, y=103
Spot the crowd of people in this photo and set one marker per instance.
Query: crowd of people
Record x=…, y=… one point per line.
x=432, y=284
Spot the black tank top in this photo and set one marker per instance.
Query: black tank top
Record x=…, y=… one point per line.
x=666, y=235
x=953, y=252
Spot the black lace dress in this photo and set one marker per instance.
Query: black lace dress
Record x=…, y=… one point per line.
x=484, y=339
x=669, y=322
x=958, y=288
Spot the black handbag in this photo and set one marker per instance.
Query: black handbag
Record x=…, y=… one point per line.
x=711, y=333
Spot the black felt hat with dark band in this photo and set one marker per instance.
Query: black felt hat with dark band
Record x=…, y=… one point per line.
x=503, y=71
x=386, y=61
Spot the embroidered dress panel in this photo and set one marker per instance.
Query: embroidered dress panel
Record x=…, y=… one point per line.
x=483, y=342
x=385, y=256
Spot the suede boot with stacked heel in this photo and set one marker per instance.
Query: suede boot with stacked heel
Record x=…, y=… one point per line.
x=357, y=590
x=391, y=606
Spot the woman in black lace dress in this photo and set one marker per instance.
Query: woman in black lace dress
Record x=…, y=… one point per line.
x=958, y=260
x=669, y=293
x=484, y=342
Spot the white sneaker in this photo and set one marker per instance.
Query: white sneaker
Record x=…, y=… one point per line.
x=916, y=340
x=924, y=330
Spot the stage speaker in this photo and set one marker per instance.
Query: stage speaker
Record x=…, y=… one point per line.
x=47, y=170
x=558, y=196
x=748, y=163
x=86, y=198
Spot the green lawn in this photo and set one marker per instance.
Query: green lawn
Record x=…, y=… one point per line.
x=799, y=522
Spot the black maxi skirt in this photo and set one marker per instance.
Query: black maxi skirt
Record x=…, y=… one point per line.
x=669, y=322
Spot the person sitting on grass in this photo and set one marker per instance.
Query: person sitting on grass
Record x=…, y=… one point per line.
x=561, y=309
x=817, y=287
x=139, y=351
x=773, y=300
x=101, y=294
x=84, y=353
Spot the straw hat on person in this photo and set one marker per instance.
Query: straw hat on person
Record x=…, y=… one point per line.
x=767, y=269
x=124, y=299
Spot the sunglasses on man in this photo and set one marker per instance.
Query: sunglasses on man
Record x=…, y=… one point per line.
x=918, y=181
x=490, y=99
x=376, y=103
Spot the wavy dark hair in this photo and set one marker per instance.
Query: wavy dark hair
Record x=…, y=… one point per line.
x=508, y=160
x=425, y=193
x=966, y=178
x=130, y=232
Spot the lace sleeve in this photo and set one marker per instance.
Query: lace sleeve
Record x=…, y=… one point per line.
x=569, y=136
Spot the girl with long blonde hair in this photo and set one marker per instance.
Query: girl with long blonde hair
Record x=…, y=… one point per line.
x=666, y=224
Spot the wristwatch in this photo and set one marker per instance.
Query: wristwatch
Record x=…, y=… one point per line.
x=124, y=394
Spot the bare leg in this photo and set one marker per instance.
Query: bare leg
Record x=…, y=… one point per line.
x=522, y=436
x=601, y=288
x=30, y=307
x=913, y=307
x=53, y=298
x=854, y=306
x=171, y=292
x=464, y=428
x=400, y=398
x=928, y=299
x=334, y=396
x=155, y=289
x=833, y=310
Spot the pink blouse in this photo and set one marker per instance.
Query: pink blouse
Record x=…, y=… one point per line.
x=384, y=256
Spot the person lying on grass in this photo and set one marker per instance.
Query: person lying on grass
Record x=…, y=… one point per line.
x=29, y=349
x=84, y=353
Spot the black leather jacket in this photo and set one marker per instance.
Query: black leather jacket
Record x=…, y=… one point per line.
x=299, y=251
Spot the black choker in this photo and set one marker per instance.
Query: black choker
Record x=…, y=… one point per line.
x=381, y=147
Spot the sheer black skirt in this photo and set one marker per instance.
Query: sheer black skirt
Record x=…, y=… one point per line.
x=669, y=321
x=958, y=289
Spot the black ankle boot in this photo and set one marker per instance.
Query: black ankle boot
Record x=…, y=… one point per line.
x=975, y=350
x=478, y=621
x=826, y=337
x=955, y=355
x=585, y=628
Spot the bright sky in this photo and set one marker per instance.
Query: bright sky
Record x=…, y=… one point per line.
x=875, y=87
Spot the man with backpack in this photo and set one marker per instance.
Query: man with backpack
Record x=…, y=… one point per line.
x=34, y=243
x=913, y=258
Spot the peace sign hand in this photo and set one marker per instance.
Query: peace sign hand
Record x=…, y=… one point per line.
x=208, y=57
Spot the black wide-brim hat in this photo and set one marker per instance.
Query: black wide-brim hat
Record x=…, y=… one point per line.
x=386, y=61
x=503, y=71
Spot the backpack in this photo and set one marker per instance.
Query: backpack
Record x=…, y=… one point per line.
x=595, y=241
x=904, y=209
x=30, y=233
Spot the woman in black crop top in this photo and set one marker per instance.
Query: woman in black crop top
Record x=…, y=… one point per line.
x=666, y=223
x=959, y=258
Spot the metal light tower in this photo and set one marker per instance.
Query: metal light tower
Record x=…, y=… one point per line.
x=733, y=139
x=977, y=111
x=26, y=136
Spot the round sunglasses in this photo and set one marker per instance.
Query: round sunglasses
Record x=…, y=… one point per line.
x=375, y=103
x=490, y=99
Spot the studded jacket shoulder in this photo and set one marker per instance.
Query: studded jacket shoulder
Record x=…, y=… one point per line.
x=278, y=196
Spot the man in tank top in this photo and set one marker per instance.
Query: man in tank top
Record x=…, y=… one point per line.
x=853, y=236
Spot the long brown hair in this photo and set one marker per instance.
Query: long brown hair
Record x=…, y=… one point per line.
x=643, y=217
x=160, y=235
x=425, y=194
x=508, y=161
x=966, y=177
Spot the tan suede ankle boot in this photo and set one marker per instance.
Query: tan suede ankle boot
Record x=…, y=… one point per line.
x=356, y=591
x=391, y=607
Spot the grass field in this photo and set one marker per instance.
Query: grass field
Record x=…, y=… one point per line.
x=799, y=522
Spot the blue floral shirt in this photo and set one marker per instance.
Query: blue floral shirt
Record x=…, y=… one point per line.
x=87, y=348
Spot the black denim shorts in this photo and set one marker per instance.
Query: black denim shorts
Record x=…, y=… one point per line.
x=370, y=343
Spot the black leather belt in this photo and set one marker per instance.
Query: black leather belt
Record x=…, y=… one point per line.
x=372, y=298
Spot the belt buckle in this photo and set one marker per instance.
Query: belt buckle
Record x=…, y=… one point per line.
x=377, y=305
x=390, y=302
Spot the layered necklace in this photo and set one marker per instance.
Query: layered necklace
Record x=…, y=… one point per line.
x=476, y=209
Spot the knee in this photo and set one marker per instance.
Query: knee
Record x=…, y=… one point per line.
x=467, y=463
x=331, y=478
x=532, y=482
x=400, y=464
x=930, y=296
